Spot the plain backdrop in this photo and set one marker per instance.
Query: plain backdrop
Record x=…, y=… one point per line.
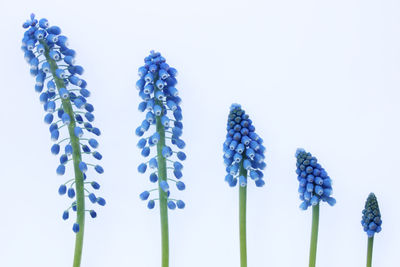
x=322, y=75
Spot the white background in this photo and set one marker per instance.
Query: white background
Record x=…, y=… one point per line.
x=323, y=75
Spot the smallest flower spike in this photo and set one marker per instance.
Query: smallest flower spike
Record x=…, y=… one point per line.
x=314, y=183
x=371, y=219
x=371, y=222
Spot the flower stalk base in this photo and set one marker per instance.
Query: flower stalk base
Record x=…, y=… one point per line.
x=370, y=249
x=242, y=219
x=314, y=235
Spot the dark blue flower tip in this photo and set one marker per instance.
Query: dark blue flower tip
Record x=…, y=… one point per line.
x=62, y=189
x=153, y=178
x=180, y=185
x=60, y=169
x=181, y=155
x=99, y=169
x=178, y=166
x=144, y=195
x=71, y=192
x=97, y=155
x=93, y=143
x=178, y=174
x=93, y=214
x=75, y=228
x=142, y=168
x=314, y=183
x=171, y=205
x=145, y=151
x=242, y=149
x=371, y=216
x=151, y=204
x=142, y=143
x=65, y=215
x=92, y=197
x=74, y=206
x=180, y=204
x=101, y=201
x=55, y=149
x=95, y=185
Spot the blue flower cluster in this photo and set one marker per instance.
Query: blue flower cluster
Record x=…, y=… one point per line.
x=371, y=216
x=315, y=184
x=243, y=150
x=63, y=94
x=161, y=104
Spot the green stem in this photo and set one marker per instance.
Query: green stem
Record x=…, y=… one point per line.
x=242, y=219
x=162, y=175
x=77, y=157
x=314, y=235
x=370, y=248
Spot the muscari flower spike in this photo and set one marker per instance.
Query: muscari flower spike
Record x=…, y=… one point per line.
x=64, y=95
x=371, y=216
x=243, y=147
x=315, y=184
x=161, y=105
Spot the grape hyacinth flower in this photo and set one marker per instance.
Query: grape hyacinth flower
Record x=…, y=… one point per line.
x=161, y=104
x=243, y=156
x=371, y=222
x=315, y=185
x=64, y=95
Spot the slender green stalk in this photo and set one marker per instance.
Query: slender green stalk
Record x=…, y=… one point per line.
x=162, y=175
x=314, y=235
x=369, y=253
x=242, y=219
x=76, y=156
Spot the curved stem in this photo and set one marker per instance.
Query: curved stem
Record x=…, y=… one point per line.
x=369, y=253
x=76, y=156
x=242, y=219
x=162, y=175
x=314, y=235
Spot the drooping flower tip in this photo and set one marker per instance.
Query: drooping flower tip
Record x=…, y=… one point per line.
x=314, y=183
x=75, y=228
x=371, y=216
x=243, y=149
x=64, y=97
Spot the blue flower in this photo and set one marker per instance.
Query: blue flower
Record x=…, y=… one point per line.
x=371, y=216
x=314, y=183
x=161, y=128
x=63, y=94
x=243, y=149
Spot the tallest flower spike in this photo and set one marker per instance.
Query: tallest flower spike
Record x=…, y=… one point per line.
x=315, y=185
x=243, y=156
x=64, y=95
x=161, y=103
